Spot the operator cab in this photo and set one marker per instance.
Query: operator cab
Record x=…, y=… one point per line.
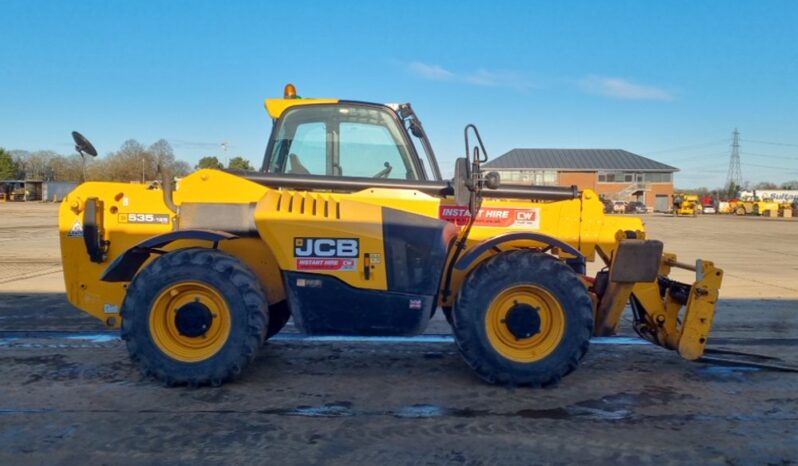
x=330, y=138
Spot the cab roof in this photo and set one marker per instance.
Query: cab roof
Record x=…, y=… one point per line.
x=276, y=106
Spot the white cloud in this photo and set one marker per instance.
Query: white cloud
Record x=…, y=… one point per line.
x=620, y=88
x=428, y=71
x=480, y=77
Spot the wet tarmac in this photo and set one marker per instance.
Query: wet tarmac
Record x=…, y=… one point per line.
x=305, y=402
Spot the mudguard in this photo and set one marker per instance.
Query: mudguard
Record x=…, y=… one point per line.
x=474, y=253
x=125, y=266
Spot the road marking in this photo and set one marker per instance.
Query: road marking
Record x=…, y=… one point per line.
x=106, y=337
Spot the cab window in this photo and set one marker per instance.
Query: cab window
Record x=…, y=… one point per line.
x=342, y=140
x=310, y=140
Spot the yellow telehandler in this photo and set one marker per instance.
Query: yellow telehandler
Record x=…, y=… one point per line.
x=349, y=228
x=686, y=205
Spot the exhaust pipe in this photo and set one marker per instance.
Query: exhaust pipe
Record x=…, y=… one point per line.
x=167, y=188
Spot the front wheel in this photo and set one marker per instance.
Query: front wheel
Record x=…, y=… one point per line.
x=523, y=318
x=194, y=316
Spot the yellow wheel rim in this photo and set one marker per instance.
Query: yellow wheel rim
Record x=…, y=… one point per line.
x=164, y=327
x=540, y=344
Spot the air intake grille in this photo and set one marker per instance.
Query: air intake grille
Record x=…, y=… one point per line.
x=308, y=204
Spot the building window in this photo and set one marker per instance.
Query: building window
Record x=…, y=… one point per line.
x=658, y=177
x=632, y=177
x=528, y=177
x=612, y=177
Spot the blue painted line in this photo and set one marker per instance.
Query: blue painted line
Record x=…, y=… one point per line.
x=105, y=337
x=619, y=341
x=431, y=338
x=5, y=410
x=96, y=337
x=729, y=370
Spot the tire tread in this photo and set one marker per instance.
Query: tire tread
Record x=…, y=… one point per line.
x=136, y=313
x=509, y=266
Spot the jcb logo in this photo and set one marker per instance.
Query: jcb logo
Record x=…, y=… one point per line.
x=326, y=247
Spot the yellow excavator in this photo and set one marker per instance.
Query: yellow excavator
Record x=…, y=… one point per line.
x=350, y=229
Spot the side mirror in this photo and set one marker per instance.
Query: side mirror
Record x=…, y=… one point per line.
x=462, y=195
x=83, y=145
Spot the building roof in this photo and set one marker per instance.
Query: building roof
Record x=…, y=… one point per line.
x=577, y=159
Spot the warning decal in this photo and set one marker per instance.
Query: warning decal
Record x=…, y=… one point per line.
x=492, y=216
x=76, y=230
x=326, y=264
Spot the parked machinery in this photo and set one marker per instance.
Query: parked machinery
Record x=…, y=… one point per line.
x=686, y=205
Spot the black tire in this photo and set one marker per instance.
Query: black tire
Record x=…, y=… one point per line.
x=279, y=314
x=505, y=271
x=242, y=295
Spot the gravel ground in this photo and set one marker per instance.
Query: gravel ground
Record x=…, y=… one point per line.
x=69, y=395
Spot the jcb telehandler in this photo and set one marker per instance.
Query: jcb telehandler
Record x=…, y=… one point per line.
x=349, y=228
x=686, y=205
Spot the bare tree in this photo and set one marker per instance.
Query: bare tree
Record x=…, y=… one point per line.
x=164, y=157
x=32, y=165
x=132, y=162
x=63, y=168
x=180, y=168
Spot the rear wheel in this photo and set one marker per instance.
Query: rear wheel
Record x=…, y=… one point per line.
x=523, y=318
x=740, y=211
x=194, y=316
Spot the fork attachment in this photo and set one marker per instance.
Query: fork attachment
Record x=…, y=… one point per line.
x=671, y=314
x=676, y=315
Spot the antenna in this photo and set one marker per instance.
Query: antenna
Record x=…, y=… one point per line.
x=734, y=179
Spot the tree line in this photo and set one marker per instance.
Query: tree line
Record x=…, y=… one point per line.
x=135, y=162
x=132, y=162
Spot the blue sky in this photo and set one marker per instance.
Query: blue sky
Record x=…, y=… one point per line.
x=668, y=79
